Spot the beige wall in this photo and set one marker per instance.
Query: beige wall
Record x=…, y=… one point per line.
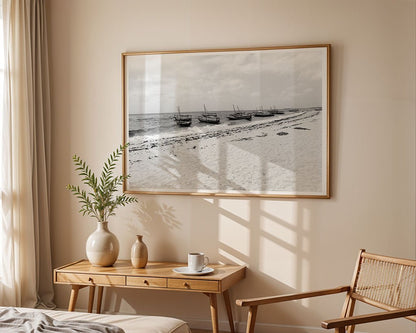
x=288, y=244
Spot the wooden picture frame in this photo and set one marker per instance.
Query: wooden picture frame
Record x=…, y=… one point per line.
x=229, y=122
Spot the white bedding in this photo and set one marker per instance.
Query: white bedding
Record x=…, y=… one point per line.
x=129, y=323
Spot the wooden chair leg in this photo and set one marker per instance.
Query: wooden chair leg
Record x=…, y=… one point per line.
x=73, y=298
x=226, y=296
x=99, y=298
x=251, y=319
x=350, y=311
x=91, y=299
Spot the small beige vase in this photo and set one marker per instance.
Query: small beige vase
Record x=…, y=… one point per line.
x=139, y=253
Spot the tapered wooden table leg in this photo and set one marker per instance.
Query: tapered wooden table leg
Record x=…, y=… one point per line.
x=214, y=312
x=73, y=298
x=91, y=299
x=226, y=296
x=99, y=298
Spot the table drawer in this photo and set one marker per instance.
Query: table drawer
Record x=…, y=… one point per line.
x=142, y=281
x=189, y=284
x=105, y=280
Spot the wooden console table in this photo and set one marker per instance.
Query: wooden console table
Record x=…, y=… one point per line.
x=156, y=276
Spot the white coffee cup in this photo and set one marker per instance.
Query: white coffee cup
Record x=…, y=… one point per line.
x=197, y=261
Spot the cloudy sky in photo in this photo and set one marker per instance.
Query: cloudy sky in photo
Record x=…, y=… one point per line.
x=159, y=83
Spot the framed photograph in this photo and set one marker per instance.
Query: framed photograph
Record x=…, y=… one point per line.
x=230, y=122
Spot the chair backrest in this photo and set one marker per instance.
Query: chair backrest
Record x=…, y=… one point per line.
x=385, y=282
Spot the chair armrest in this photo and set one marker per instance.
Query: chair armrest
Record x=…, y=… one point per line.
x=290, y=297
x=355, y=320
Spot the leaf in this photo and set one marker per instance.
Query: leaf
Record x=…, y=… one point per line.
x=99, y=202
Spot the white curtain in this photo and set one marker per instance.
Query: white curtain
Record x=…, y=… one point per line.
x=25, y=260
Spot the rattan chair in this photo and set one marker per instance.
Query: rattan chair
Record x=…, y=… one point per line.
x=384, y=282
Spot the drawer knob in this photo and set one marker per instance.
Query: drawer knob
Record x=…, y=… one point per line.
x=186, y=285
x=146, y=282
x=90, y=279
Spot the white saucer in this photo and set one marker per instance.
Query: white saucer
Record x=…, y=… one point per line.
x=186, y=271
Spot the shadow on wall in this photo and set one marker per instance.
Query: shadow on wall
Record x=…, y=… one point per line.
x=274, y=246
x=157, y=219
x=271, y=237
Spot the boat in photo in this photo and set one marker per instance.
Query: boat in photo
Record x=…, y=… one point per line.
x=275, y=110
x=237, y=115
x=263, y=113
x=209, y=117
x=183, y=120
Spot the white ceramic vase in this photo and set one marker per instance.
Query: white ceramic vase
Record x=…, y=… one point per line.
x=139, y=254
x=102, y=246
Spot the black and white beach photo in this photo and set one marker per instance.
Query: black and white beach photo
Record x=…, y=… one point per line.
x=228, y=122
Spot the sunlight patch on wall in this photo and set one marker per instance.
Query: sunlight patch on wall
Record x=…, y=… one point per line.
x=236, y=207
x=209, y=200
x=234, y=235
x=278, y=231
x=277, y=262
x=231, y=258
x=305, y=284
x=306, y=229
x=286, y=211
